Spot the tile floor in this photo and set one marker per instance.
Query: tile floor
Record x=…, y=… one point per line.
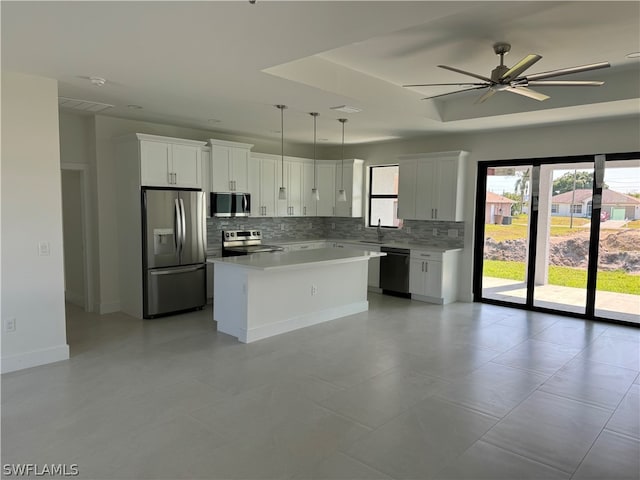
x=405, y=391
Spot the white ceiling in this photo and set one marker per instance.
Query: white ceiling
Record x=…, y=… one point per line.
x=188, y=63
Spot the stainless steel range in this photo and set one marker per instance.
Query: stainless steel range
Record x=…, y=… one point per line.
x=244, y=242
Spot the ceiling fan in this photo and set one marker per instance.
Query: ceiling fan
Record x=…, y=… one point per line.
x=505, y=79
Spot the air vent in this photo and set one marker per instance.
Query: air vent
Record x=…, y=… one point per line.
x=83, y=105
x=346, y=109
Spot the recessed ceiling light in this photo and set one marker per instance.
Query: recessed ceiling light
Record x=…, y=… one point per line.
x=346, y=109
x=134, y=107
x=97, y=81
x=633, y=55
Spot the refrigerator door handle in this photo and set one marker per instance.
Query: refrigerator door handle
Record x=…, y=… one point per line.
x=184, y=225
x=177, y=223
x=176, y=270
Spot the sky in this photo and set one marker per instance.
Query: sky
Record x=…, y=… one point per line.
x=623, y=180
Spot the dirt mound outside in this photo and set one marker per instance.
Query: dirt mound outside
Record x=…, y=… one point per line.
x=619, y=250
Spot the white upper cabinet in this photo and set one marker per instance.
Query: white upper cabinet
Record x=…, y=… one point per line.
x=229, y=170
x=351, y=175
x=263, y=171
x=170, y=162
x=309, y=204
x=291, y=179
x=326, y=182
x=430, y=187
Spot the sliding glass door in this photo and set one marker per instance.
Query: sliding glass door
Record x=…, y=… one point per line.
x=561, y=235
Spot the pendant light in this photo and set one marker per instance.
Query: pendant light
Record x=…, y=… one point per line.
x=282, y=193
x=342, y=195
x=314, y=191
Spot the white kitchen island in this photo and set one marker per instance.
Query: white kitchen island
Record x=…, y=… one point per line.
x=265, y=294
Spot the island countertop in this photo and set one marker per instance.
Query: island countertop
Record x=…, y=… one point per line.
x=297, y=259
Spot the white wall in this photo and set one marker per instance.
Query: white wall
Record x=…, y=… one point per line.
x=32, y=285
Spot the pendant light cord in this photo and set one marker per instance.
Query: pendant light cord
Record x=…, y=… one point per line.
x=281, y=107
x=342, y=120
x=314, y=149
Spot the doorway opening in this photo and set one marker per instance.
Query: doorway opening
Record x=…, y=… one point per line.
x=76, y=237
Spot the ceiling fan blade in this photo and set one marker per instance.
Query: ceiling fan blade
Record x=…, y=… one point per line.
x=526, y=92
x=451, y=93
x=444, y=84
x=565, y=83
x=520, y=67
x=490, y=93
x=474, y=75
x=568, y=71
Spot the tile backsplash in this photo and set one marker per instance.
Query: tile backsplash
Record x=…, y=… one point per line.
x=311, y=228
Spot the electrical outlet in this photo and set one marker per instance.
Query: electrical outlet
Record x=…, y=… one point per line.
x=452, y=232
x=333, y=226
x=408, y=229
x=314, y=290
x=10, y=325
x=44, y=250
x=435, y=232
x=359, y=227
x=282, y=226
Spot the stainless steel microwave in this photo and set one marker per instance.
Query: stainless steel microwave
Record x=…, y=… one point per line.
x=230, y=204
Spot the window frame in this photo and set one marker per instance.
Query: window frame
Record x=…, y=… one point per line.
x=371, y=195
x=576, y=208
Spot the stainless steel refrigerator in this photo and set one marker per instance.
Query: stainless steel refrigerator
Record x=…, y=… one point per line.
x=174, y=239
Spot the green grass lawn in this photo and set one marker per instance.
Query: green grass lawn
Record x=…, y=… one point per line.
x=518, y=228
x=616, y=281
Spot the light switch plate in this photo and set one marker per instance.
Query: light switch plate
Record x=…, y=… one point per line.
x=452, y=232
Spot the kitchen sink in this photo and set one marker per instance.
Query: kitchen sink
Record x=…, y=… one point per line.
x=377, y=242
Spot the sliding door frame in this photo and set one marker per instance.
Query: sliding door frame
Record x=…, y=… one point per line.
x=592, y=268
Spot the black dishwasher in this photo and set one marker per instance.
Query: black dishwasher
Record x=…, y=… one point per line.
x=394, y=271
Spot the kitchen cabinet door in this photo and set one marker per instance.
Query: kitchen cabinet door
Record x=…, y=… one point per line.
x=262, y=185
x=220, y=173
x=309, y=203
x=326, y=187
x=349, y=173
x=292, y=178
x=186, y=162
x=417, y=278
x=407, y=189
x=155, y=163
x=239, y=169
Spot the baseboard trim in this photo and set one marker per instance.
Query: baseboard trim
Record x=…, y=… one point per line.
x=74, y=298
x=12, y=363
x=109, y=307
x=302, y=321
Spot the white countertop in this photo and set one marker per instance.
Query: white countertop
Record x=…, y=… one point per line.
x=299, y=259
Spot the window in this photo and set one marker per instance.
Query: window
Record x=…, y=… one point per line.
x=589, y=208
x=555, y=208
x=383, y=196
x=576, y=208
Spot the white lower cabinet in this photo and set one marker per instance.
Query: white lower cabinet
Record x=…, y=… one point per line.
x=432, y=276
x=374, y=263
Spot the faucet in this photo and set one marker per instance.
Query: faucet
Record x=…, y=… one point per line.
x=379, y=231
